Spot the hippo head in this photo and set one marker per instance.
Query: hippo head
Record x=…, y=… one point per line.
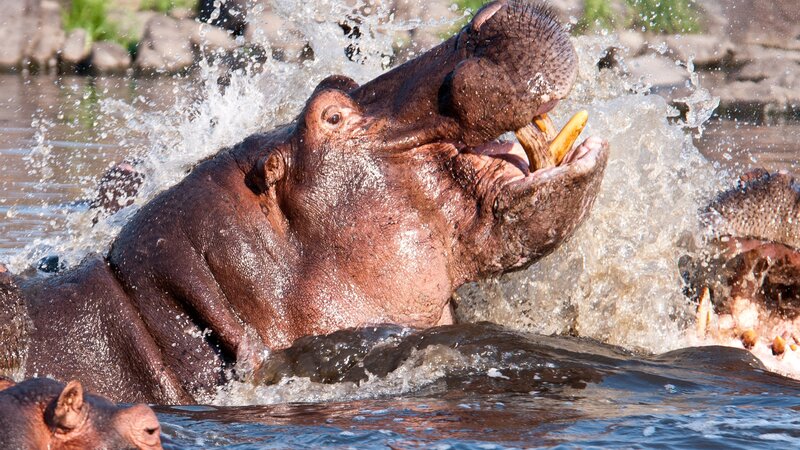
x=751, y=268
x=407, y=182
x=42, y=413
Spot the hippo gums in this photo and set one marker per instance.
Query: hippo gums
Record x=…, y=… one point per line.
x=44, y=414
x=371, y=207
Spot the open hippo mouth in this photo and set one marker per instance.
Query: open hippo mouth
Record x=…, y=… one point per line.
x=750, y=279
x=537, y=151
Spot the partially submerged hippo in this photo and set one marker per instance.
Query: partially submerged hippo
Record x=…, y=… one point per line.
x=373, y=206
x=44, y=414
x=752, y=268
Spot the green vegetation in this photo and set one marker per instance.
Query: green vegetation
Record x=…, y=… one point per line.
x=471, y=4
x=91, y=15
x=656, y=16
x=165, y=6
x=666, y=16
x=597, y=14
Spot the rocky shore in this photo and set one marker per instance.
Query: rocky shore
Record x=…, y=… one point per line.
x=748, y=54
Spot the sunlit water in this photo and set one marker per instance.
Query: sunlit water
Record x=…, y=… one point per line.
x=616, y=281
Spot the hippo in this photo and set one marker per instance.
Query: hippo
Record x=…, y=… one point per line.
x=371, y=207
x=41, y=413
x=748, y=278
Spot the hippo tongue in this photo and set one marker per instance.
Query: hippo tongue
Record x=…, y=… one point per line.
x=534, y=138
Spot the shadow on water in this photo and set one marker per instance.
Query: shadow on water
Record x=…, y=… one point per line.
x=496, y=388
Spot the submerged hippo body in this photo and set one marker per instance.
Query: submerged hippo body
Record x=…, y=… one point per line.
x=44, y=414
x=752, y=266
x=372, y=207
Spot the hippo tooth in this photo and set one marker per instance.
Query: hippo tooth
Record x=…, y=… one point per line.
x=566, y=138
x=545, y=124
x=535, y=144
x=749, y=339
x=778, y=346
x=793, y=347
x=704, y=312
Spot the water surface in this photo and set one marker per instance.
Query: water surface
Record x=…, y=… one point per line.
x=616, y=282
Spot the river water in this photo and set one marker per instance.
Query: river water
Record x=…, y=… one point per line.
x=481, y=386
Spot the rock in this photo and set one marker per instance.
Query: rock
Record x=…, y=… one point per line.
x=16, y=22
x=633, y=41
x=208, y=39
x=48, y=37
x=130, y=23
x=752, y=53
x=657, y=71
x=75, y=51
x=757, y=101
x=268, y=30
x=109, y=58
x=181, y=13
x=782, y=71
x=165, y=47
x=228, y=14
x=705, y=50
x=30, y=34
x=774, y=23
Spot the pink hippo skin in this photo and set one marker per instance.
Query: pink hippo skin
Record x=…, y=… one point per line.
x=373, y=206
x=44, y=414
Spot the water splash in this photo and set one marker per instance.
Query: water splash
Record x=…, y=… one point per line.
x=617, y=279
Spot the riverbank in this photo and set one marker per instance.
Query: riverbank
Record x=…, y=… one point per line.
x=747, y=53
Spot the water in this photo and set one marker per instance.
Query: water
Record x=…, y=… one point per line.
x=616, y=281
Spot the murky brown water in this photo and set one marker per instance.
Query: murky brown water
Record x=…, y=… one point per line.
x=54, y=142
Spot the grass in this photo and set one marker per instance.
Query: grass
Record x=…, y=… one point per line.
x=165, y=6
x=597, y=14
x=92, y=16
x=666, y=16
x=471, y=4
x=655, y=16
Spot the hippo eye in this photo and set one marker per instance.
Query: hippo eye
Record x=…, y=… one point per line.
x=334, y=118
x=332, y=115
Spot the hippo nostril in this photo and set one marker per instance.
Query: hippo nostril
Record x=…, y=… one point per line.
x=486, y=13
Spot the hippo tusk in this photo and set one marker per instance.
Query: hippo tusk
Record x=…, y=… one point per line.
x=534, y=137
x=704, y=313
x=566, y=138
x=535, y=145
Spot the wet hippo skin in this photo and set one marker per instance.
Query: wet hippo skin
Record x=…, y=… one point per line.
x=373, y=206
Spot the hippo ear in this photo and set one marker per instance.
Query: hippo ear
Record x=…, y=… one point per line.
x=273, y=167
x=266, y=172
x=69, y=407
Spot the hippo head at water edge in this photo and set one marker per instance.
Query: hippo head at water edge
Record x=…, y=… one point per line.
x=373, y=206
x=413, y=179
x=747, y=278
x=44, y=414
x=382, y=199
